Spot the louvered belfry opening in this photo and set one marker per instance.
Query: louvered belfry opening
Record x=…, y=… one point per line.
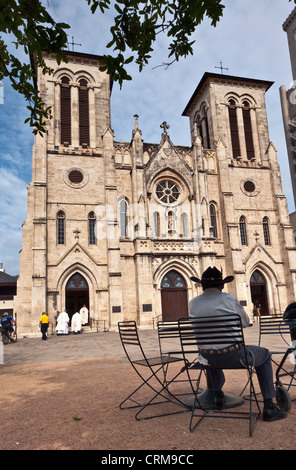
x=248, y=131
x=83, y=113
x=234, y=129
x=65, y=111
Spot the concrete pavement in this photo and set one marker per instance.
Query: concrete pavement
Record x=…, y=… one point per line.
x=101, y=346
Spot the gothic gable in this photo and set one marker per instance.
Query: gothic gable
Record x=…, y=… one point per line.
x=167, y=157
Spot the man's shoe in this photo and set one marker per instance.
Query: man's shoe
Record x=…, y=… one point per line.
x=273, y=414
x=219, y=399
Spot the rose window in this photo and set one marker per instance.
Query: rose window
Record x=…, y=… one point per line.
x=167, y=191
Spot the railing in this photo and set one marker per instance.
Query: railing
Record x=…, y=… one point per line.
x=94, y=324
x=156, y=319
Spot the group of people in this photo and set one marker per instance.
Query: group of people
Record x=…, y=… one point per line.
x=62, y=321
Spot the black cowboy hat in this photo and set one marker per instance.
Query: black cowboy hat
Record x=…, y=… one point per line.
x=212, y=277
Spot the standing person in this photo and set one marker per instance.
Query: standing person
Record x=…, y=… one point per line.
x=43, y=323
x=56, y=317
x=257, y=307
x=7, y=323
x=84, y=314
x=76, y=323
x=214, y=302
x=62, y=323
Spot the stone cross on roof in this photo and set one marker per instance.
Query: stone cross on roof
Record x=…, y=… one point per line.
x=165, y=126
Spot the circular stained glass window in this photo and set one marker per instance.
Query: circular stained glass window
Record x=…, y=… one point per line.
x=167, y=191
x=75, y=176
x=249, y=186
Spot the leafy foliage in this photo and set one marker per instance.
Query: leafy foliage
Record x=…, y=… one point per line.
x=31, y=27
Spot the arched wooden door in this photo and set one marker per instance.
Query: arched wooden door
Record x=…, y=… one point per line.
x=259, y=291
x=174, y=301
x=77, y=294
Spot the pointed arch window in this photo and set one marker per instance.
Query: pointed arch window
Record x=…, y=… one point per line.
x=91, y=228
x=213, y=220
x=173, y=280
x=65, y=97
x=61, y=219
x=185, y=230
x=123, y=218
x=266, y=235
x=83, y=113
x=234, y=128
x=243, y=231
x=248, y=130
x=203, y=130
x=156, y=220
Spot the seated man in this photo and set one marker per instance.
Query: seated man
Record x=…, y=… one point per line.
x=7, y=323
x=213, y=302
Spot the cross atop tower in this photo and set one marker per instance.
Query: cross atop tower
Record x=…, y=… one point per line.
x=221, y=68
x=73, y=44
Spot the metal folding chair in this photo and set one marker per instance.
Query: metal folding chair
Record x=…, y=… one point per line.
x=273, y=328
x=226, y=330
x=153, y=372
x=169, y=344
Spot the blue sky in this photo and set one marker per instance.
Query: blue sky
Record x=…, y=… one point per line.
x=250, y=42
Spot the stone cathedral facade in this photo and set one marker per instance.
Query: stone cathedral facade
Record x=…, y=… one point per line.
x=122, y=226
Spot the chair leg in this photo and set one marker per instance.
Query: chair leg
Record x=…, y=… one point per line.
x=172, y=398
x=200, y=412
x=145, y=382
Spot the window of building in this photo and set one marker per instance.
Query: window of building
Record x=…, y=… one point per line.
x=91, y=228
x=248, y=130
x=156, y=220
x=75, y=176
x=234, y=128
x=213, y=220
x=83, y=113
x=173, y=280
x=243, y=231
x=65, y=111
x=61, y=218
x=123, y=218
x=266, y=231
x=185, y=230
x=167, y=191
x=203, y=130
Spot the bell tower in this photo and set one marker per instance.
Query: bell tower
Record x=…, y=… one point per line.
x=66, y=163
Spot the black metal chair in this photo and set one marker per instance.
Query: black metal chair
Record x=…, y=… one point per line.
x=219, y=331
x=273, y=327
x=153, y=372
x=169, y=345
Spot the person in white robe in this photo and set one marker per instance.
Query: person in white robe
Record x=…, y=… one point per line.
x=62, y=323
x=76, y=323
x=84, y=314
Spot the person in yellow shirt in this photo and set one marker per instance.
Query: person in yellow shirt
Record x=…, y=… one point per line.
x=43, y=323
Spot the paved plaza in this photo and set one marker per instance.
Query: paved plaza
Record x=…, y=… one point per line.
x=64, y=394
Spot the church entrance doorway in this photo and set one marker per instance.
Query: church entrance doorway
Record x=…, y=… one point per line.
x=173, y=296
x=77, y=294
x=259, y=291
